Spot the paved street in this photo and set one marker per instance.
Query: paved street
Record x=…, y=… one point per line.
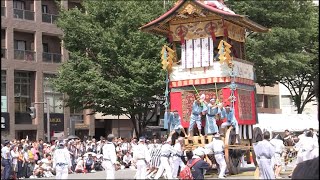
x=246, y=173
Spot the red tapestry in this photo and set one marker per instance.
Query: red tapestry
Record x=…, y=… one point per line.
x=188, y=98
x=245, y=104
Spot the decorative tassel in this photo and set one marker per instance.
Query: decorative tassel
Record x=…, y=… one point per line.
x=170, y=37
x=181, y=35
x=225, y=29
x=213, y=36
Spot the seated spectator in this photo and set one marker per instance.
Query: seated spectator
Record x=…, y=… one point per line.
x=127, y=159
x=98, y=163
x=37, y=170
x=80, y=165
x=47, y=166
x=89, y=163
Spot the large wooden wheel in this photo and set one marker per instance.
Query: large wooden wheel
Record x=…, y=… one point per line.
x=232, y=156
x=257, y=136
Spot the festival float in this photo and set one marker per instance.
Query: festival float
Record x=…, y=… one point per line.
x=205, y=54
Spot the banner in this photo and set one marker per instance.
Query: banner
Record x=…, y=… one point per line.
x=245, y=104
x=197, y=30
x=197, y=53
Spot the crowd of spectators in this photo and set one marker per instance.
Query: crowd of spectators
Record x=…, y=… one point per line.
x=33, y=159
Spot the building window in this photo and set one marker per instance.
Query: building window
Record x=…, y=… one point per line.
x=54, y=98
x=3, y=83
x=3, y=91
x=18, y=4
x=45, y=47
x=286, y=100
x=44, y=9
x=22, y=91
x=20, y=45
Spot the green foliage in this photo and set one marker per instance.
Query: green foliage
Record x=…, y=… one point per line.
x=288, y=54
x=113, y=67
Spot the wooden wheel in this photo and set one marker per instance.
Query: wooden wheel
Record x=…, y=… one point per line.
x=232, y=156
x=257, y=136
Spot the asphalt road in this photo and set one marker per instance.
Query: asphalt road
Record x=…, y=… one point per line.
x=246, y=173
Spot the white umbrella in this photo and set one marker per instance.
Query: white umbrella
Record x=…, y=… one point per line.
x=92, y=153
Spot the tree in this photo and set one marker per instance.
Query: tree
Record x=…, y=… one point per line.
x=288, y=54
x=113, y=67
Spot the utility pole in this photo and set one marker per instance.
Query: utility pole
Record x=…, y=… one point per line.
x=48, y=117
x=48, y=120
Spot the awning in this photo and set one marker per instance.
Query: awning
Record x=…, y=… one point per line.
x=292, y=122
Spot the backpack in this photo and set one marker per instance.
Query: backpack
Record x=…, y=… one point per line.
x=186, y=174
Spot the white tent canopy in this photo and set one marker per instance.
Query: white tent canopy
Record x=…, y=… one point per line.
x=292, y=122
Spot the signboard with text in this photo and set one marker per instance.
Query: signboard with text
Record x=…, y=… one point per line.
x=56, y=122
x=5, y=121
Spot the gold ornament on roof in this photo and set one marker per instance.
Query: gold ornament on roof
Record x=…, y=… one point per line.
x=190, y=9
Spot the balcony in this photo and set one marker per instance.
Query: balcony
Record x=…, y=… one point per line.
x=51, y=57
x=3, y=53
x=3, y=11
x=24, y=55
x=23, y=14
x=49, y=18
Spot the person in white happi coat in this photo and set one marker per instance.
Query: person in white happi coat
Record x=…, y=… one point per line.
x=264, y=153
x=166, y=151
x=109, y=157
x=277, y=143
x=62, y=161
x=176, y=159
x=217, y=146
x=141, y=158
x=305, y=148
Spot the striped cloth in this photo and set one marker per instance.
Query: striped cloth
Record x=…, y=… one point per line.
x=155, y=156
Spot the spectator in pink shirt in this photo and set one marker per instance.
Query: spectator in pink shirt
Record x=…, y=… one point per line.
x=35, y=151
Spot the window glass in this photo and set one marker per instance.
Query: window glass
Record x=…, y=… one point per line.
x=18, y=4
x=58, y=104
x=44, y=9
x=3, y=83
x=22, y=92
x=55, y=98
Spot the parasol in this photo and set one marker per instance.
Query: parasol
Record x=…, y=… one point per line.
x=88, y=153
x=73, y=137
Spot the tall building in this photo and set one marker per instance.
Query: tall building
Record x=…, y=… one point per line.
x=268, y=99
x=278, y=100
x=31, y=52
